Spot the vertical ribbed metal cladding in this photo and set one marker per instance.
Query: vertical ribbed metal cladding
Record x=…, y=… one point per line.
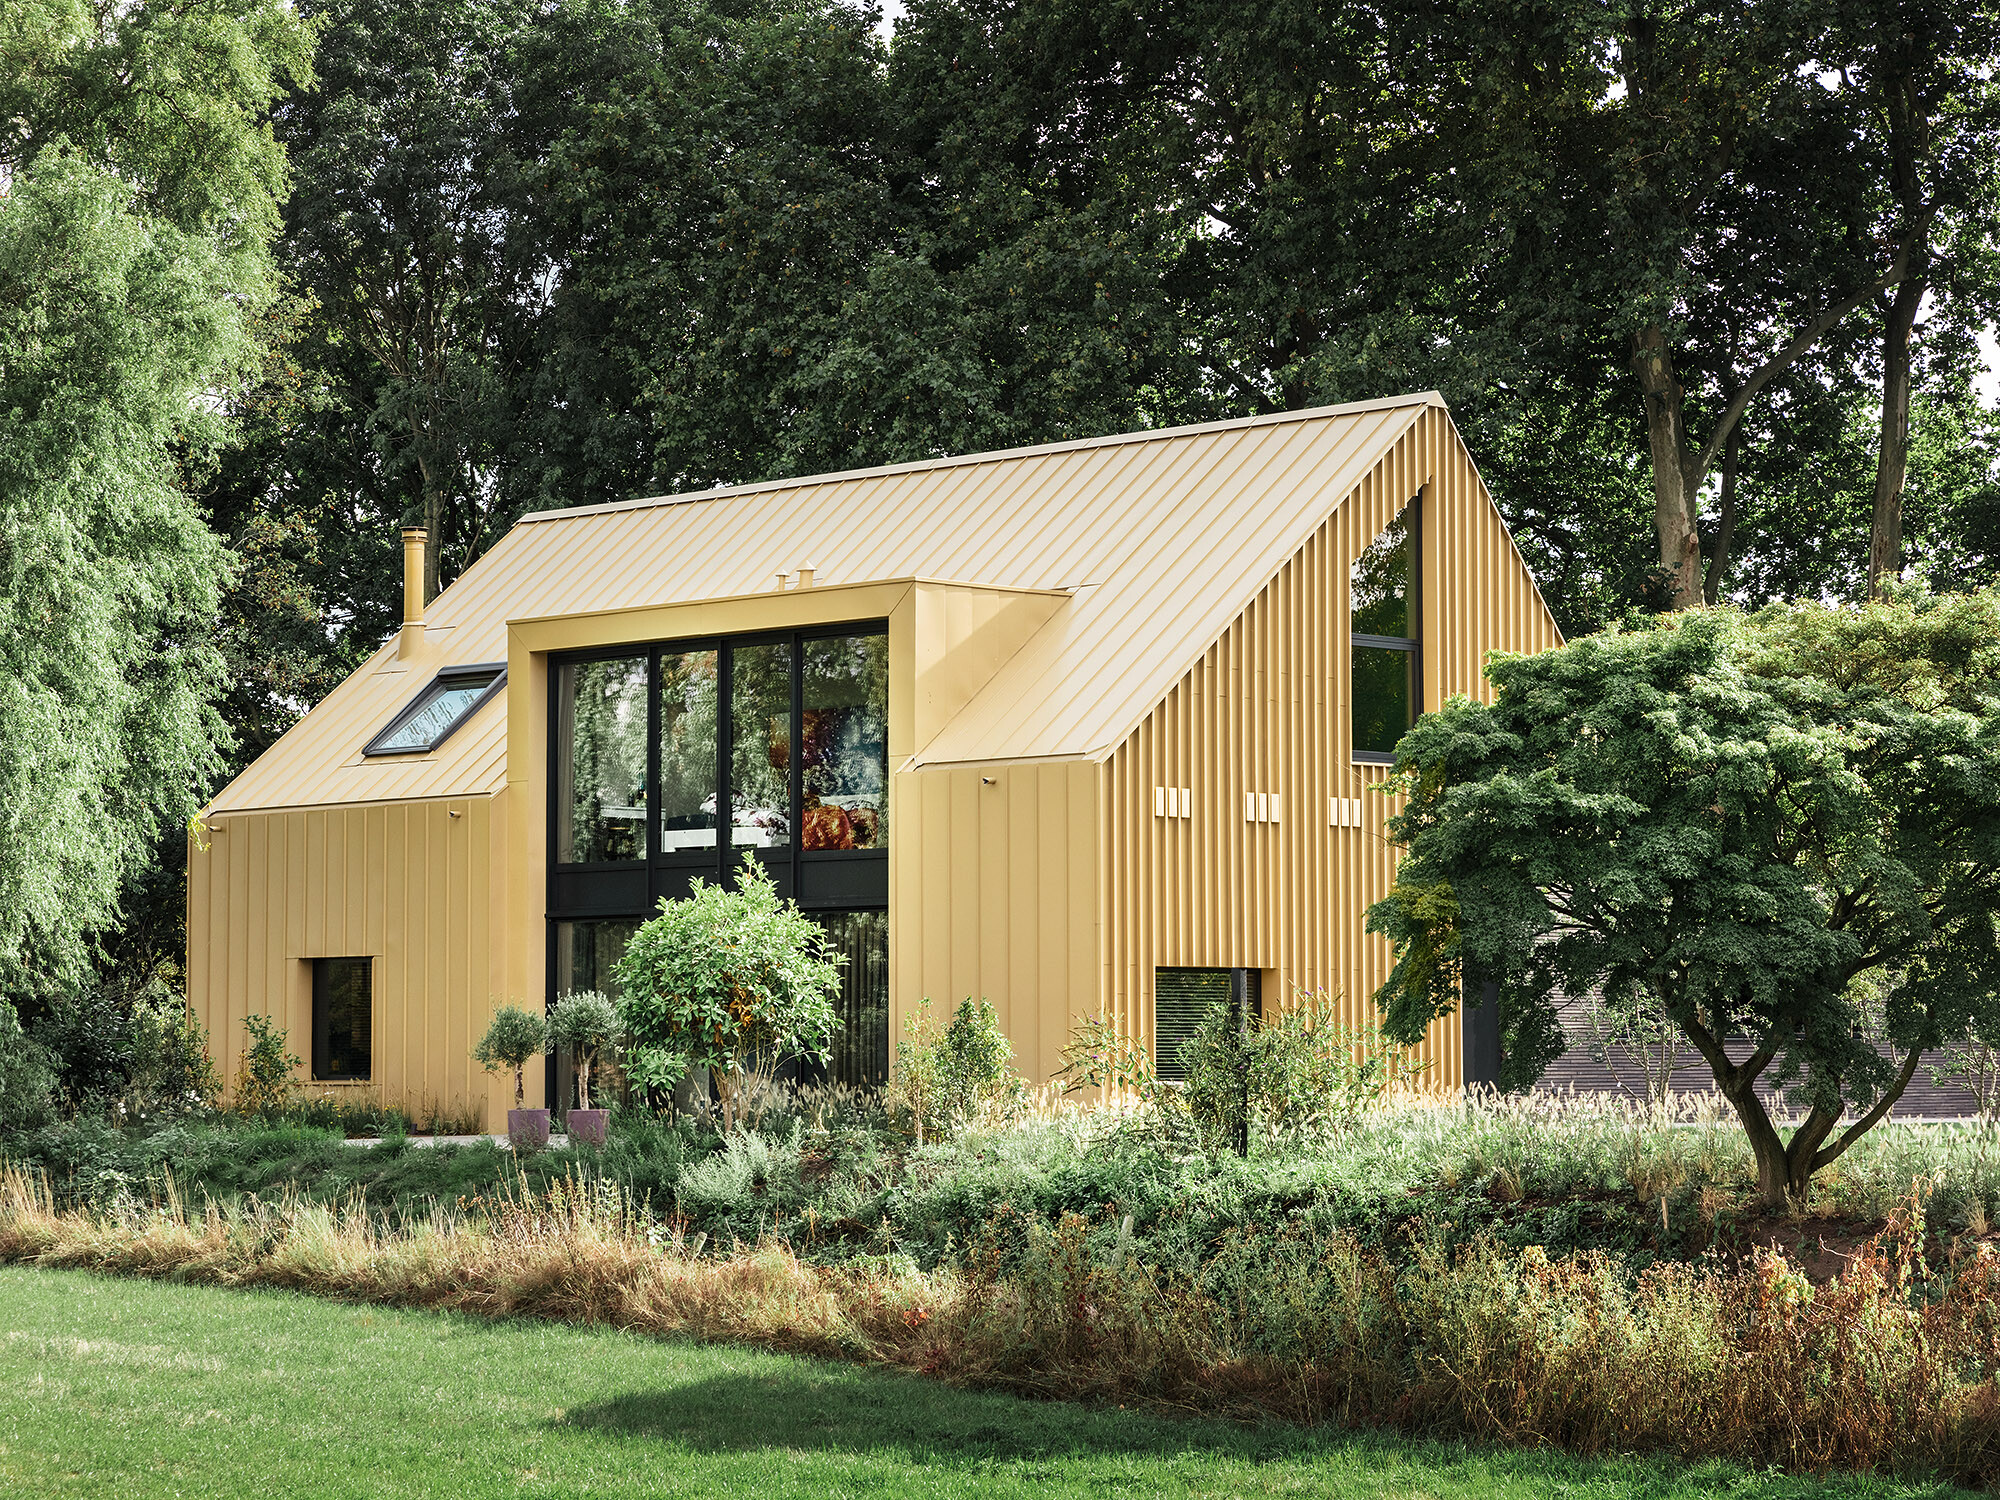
x=1267, y=709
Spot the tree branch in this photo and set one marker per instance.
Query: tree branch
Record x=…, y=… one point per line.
x=1868, y=1121
x=1788, y=356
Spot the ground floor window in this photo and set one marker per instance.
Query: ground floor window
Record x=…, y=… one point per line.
x=343, y=1017
x=861, y=1050
x=1181, y=997
x=585, y=953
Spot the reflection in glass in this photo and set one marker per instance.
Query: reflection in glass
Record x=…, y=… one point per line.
x=585, y=954
x=844, y=743
x=343, y=1018
x=688, y=762
x=1385, y=697
x=760, y=728
x=861, y=1049
x=601, y=761
x=1381, y=581
x=448, y=699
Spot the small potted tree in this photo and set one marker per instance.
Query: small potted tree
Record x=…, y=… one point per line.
x=730, y=982
x=514, y=1037
x=584, y=1023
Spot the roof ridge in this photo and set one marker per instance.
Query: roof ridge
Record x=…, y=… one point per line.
x=996, y=455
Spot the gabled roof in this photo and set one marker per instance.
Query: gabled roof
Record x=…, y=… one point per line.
x=1162, y=537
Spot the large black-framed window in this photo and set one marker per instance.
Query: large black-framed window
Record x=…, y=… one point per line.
x=670, y=760
x=343, y=1017
x=1386, y=636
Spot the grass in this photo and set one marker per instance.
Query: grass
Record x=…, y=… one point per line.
x=119, y=1387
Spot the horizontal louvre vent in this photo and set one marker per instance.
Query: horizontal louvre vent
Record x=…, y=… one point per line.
x=1181, y=997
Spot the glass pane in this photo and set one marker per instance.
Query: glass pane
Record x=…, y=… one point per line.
x=585, y=954
x=861, y=1049
x=601, y=761
x=1381, y=583
x=687, y=750
x=760, y=727
x=343, y=1018
x=1385, y=697
x=447, y=702
x=844, y=744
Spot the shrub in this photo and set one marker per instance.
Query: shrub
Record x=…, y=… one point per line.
x=26, y=1083
x=264, y=1081
x=172, y=1073
x=945, y=1075
x=585, y=1022
x=88, y=1038
x=512, y=1038
x=1298, y=1074
x=733, y=981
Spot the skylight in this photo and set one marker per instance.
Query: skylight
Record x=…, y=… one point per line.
x=446, y=702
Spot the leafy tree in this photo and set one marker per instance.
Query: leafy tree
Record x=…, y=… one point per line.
x=141, y=196
x=1771, y=828
x=586, y=1023
x=514, y=1038
x=731, y=981
x=398, y=226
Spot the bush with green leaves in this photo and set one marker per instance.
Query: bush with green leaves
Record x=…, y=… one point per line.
x=27, y=1085
x=946, y=1074
x=1781, y=826
x=265, y=1076
x=513, y=1038
x=585, y=1023
x=733, y=981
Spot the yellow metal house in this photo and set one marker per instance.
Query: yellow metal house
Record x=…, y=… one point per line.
x=1086, y=729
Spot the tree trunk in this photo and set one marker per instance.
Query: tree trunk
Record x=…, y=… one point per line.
x=1725, y=521
x=1892, y=457
x=1673, y=498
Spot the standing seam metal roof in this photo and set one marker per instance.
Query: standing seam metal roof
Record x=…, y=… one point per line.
x=1164, y=536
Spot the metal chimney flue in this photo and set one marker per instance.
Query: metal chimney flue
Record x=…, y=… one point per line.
x=412, y=636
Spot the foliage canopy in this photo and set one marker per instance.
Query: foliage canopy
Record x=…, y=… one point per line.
x=1781, y=827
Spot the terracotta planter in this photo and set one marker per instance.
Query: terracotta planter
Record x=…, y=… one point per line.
x=586, y=1126
x=527, y=1129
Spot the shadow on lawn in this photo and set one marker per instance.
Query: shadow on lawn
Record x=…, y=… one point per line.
x=861, y=1411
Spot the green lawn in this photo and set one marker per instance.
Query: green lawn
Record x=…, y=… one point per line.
x=134, y=1388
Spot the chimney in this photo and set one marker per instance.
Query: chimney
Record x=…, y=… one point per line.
x=413, y=592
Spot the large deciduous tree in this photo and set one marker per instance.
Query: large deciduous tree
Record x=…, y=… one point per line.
x=139, y=192
x=1778, y=831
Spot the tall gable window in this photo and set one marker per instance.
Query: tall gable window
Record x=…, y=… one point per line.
x=1388, y=667
x=446, y=702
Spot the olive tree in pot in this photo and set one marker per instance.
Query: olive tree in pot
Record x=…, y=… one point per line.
x=733, y=982
x=513, y=1038
x=584, y=1023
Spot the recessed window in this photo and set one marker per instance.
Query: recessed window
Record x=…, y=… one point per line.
x=1387, y=680
x=844, y=743
x=1181, y=997
x=446, y=702
x=343, y=1019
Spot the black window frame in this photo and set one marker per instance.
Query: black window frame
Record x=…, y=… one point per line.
x=438, y=683
x=817, y=879
x=321, y=1022
x=1414, y=645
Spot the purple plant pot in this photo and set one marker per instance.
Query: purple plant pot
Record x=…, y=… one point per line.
x=587, y=1126
x=527, y=1129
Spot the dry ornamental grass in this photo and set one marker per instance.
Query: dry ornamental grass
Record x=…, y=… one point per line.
x=1886, y=1366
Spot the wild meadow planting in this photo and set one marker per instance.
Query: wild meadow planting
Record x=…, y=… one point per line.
x=1576, y=1272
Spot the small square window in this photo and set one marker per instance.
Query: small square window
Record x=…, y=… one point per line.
x=343, y=1019
x=446, y=702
